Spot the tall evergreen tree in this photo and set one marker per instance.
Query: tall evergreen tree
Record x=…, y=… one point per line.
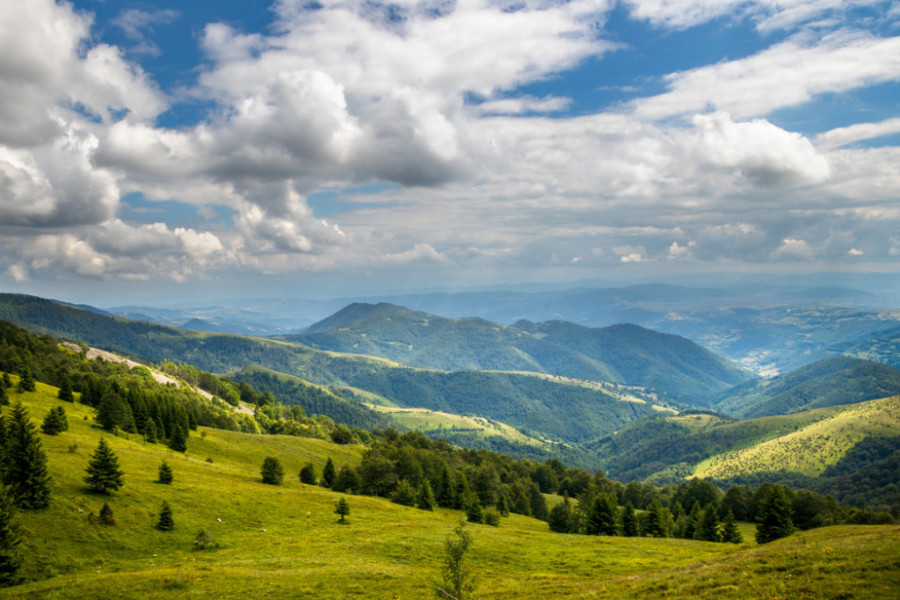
x=657, y=520
x=425, y=497
x=561, y=519
x=5, y=381
x=10, y=539
x=602, y=519
x=65, y=390
x=272, y=471
x=773, y=515
x=446, y=494
x=692, y=523
x=165, y=474
x=4, y=396
x=629, y=521
x=55, y=421
x=165, y=522
x=113, y=411
x=709, y=525
x=730, y=532
x=103, y=473
x=178, y=440
x=328, y=473
x=150, y=431
x=26, y=381
x=26, y=462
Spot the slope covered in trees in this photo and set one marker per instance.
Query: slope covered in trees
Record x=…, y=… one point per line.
x=628, y=354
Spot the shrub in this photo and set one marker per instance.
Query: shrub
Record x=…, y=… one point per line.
x=272, y=471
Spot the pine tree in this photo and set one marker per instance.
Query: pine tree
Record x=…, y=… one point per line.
x=103, y=473
x=709, y=525
x=150, y=431
x=113, y=411
x=425, y=497
x=10, y=539
x=446, y=494
x=693, y=521
x=405, y=493
x=5, y=381
x=165, y=522
x=308, y=474
x=561, y=519
x=657, y=520
x=272, y=471
x=165, y=473
x=730, y=532
x=603, y=516
x=178, y=441
x=26, y=462
x=342, y=509
x=773, y=515
x=65, y=390
x=629, y=521
x=55, y=421
x=26, y=381
x=106, y=515
x=4, y=397
x=328, y=473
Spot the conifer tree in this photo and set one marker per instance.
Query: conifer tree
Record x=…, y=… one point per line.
x=26, y=463
x=603, y=516
x=26, y=381
x=103, y=473
x=709, y=525
x=5, y=381
x=346, y=480
x=165, y=522
x=629, y=521
x=773, y=515
x=328, y=473
x=730, y=532
x=65, y=390
x=178, y=440
x=106, y=515
x=308, y=474
x=4, y=396
x=10, y=539
x=342, y=509
x=561, y=519
x=446, y=494
x=272, y=471
x=165, y=473
x=150, y=431
x=693, y=521
x=404, y=494
x=425, y=497
x=55, y=421
x=657, y=520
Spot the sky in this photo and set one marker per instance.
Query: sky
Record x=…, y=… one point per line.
x=153, y=151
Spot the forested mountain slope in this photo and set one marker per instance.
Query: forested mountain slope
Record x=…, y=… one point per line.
x=670, y=364
x=828, y=382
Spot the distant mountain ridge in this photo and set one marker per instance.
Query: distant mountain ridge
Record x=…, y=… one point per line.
x=630, y=354
x=828, y=382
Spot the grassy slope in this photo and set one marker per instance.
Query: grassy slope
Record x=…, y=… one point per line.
x=284, y=542
x=812, y=447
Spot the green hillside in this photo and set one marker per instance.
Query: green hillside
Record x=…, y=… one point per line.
x=828, y=382
x=628, y=354
x=284, y=541
x=811, y=449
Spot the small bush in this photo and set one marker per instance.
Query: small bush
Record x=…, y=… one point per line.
x=492, y=517
x=204, y=541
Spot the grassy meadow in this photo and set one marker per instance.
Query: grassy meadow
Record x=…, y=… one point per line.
x=285, y=542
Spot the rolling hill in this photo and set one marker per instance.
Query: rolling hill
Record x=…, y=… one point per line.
x=554, y=406
x=284, y=541
x=828, y=382
x=671, y=365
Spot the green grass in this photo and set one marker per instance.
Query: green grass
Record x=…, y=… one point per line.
x=285, y=542
x=812, y=447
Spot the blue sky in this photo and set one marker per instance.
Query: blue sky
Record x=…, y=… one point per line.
x=157, y=151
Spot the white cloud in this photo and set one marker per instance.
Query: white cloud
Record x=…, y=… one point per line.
x=793, y=248
x=786, y=74
x=844, y=136
x=758, y=151
x=138, y=25
x=419, y=253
